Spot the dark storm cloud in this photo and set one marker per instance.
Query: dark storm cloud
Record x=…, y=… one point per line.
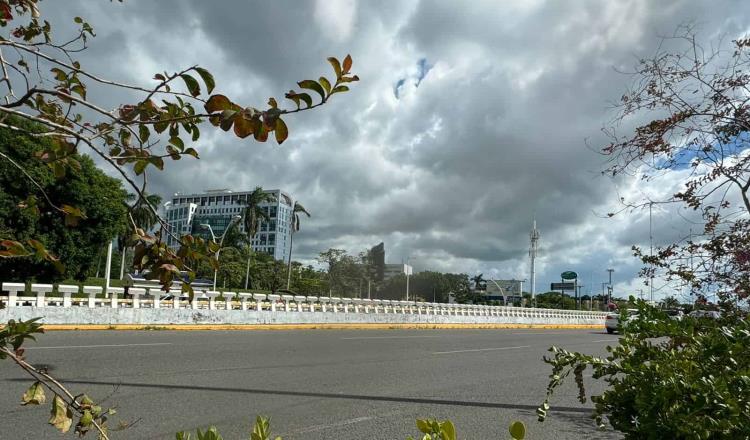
x=488, y=129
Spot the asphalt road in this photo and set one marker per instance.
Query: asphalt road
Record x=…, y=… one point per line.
x=314, y=384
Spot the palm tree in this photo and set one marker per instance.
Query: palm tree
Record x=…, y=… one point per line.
x=293, y=227
x=252, y=215
x=143, y=217
x=479, y=282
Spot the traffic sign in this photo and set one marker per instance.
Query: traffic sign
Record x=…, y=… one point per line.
x=569, y=275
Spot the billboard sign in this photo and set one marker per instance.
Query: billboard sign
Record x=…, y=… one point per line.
x=562, y=286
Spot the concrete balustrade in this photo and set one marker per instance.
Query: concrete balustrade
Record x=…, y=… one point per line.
x=288, y=308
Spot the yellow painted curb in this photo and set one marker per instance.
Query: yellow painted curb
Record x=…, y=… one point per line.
x=337, y=326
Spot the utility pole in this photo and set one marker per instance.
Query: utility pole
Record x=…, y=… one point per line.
x=609, y=287
x=534, y=247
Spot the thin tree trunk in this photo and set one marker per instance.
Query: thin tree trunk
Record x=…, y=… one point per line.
x=247, y=272
x=289, y=267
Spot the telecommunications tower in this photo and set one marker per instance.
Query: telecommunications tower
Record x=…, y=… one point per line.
x=534, y=235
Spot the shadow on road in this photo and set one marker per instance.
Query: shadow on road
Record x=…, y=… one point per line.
x=330, y=395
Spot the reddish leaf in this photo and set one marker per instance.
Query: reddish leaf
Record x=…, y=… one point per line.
x=347, y=63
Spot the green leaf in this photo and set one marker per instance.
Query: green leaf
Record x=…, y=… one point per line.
x=325, y=83
x=177, y=142
x=423, y=425
x=34, y=395
x=517, y=430
x=217, y=103
x=192, y=152
x=447, y=430
x=140, y=167
x=339, y=89
x=61, y=417
x=207, y=78
x=307, y=98
x=281, y=131
x=336, y=66
x=143, y=133
x=312, y=85
x=192, y=84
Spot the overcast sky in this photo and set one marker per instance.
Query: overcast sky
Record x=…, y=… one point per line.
x=470, y=119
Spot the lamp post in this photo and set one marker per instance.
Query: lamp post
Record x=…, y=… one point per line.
x=235, y=219
x=407, y=269
x=609, y=288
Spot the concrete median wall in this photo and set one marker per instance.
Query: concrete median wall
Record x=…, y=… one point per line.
x=108, y=316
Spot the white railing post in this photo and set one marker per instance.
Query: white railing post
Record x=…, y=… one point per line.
x=299, y=301
x=287, y=301
x=13, y=289
x=136, y=292
x=155, y=294
x=211, y=294
x=41, y=290
x=259, y=298
x=243, y=299
x=92, y=291
x=228, y=296
x=335, y=303
x=176, y=299
x=114, y=291
x=273, y=299
x=367, y=304
x=67, y=290
x=323, y=301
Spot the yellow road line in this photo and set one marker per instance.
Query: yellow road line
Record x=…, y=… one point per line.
x=337, y=326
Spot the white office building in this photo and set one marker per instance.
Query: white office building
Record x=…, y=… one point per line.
x=187, y=212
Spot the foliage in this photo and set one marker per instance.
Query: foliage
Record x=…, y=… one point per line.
x=25, y=217
x=294, y=223
x=66, y=408
x=689, y=378
x=345, y=273
x=43, y=82
x=678, y=379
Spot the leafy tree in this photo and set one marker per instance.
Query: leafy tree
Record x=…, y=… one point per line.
x=23, y=216
x=479, y=282
x=686, y=379
x=139, y=216
x=41, y=81
x=252, y=215
x=294, y=228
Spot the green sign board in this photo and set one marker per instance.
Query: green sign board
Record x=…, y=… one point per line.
x=569, y=275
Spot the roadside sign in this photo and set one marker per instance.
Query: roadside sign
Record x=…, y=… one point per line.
x=569, y=275
x=562, y=286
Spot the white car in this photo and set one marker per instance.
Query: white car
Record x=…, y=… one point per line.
x=712, y=314
x=612, y=321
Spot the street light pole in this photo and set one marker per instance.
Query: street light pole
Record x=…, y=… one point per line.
x=235, y=219
x=609, y=289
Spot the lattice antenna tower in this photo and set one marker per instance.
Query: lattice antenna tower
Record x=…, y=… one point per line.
x=533, y=250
